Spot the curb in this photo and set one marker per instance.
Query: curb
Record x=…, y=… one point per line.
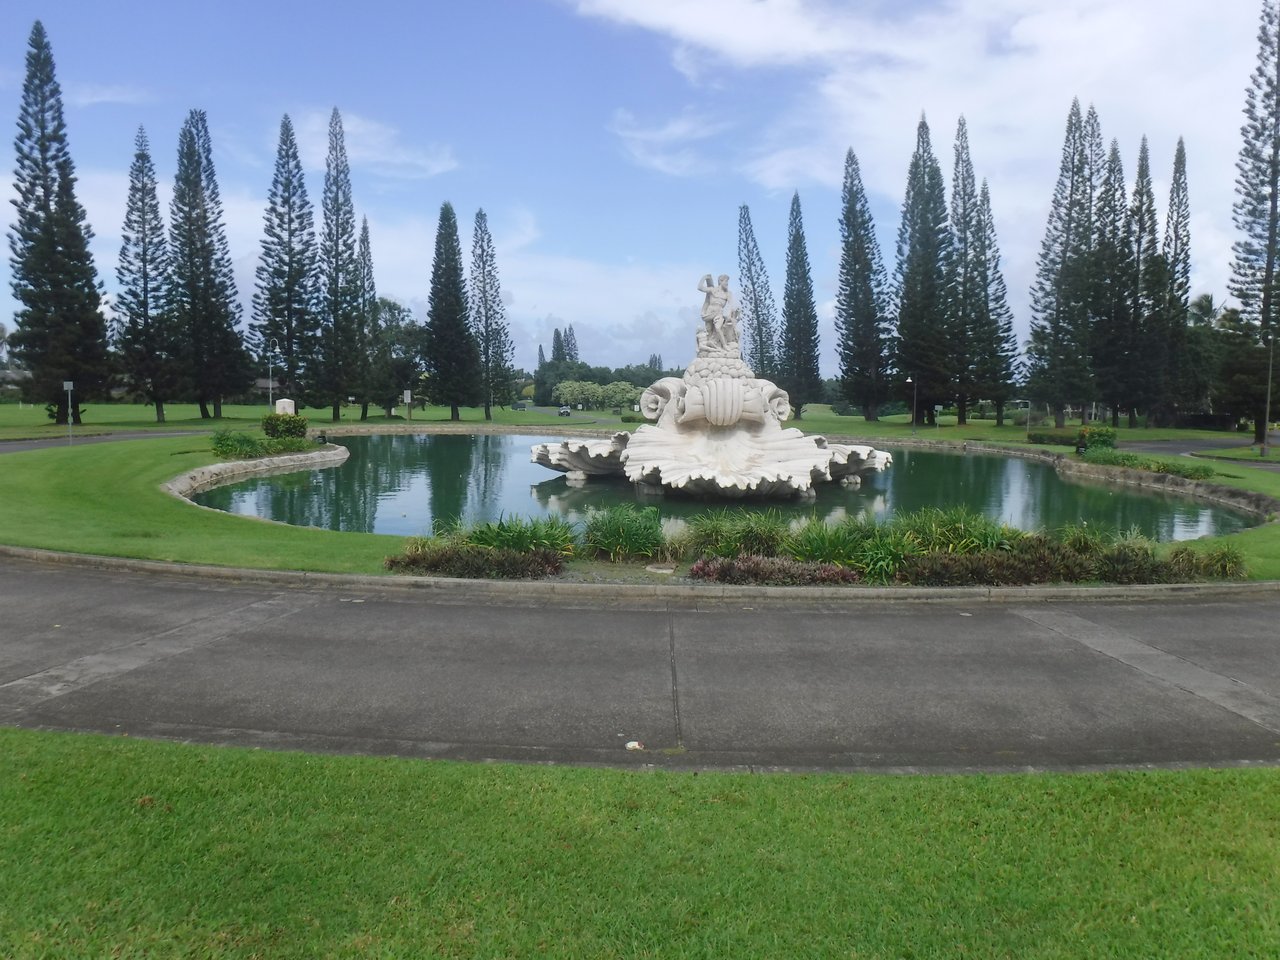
x=539, y=592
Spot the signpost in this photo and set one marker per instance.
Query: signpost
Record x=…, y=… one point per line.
x=69, y=385
x=408, y=402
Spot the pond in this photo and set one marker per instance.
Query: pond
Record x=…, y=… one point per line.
x=402, y=484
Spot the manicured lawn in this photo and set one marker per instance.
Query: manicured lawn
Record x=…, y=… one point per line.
x=114, y=847
x=1247, y=454
x=105, y=499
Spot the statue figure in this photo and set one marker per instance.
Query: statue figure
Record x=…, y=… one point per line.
x=713, y=307
x=717, y=430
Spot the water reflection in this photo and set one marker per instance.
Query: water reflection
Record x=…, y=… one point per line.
x=406, y=484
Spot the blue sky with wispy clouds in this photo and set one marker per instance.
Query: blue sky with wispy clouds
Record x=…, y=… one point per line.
x=612, y=141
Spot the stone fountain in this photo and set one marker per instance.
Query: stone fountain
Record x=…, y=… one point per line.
x=717, y=430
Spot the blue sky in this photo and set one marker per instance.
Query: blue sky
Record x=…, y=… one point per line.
x=611, y=141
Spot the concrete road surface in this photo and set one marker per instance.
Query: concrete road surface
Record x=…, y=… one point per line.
x=878, y=686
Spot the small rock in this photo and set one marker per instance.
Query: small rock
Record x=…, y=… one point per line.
x=634, y=745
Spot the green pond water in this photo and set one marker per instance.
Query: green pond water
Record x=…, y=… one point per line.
x=402, y=484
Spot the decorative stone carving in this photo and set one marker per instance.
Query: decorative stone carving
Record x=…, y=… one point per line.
x=583, y=458
x=717, y=430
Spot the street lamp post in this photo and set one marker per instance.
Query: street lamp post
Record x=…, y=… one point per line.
x=1266, y=417
x=272, y=346
x=914, y=393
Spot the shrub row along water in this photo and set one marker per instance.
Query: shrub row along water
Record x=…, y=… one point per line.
x=928, y=547
x=1116, y=458
x=232, y=445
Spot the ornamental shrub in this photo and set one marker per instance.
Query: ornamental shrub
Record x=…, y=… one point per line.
x=276, y=425
x=453, y=558
x=1060, y=438
x=771, y=571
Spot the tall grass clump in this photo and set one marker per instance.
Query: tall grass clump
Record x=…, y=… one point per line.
x=525, y=534
x=957, y=530
x=233, y=445
x=816, y=542
x=737, y=532
x=623, y=532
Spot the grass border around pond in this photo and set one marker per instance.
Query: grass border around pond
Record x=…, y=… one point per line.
x=106, y=499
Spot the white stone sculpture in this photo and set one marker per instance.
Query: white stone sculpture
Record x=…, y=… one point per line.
x=717, y=430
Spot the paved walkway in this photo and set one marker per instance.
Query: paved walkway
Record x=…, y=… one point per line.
x=1186, y=448
x=16, y=446
x=852, y=685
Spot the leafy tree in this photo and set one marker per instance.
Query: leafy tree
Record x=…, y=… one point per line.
x=798, y=348
x=203, y=284
x=1058, y=351
x=400, y=349
x=1203, y=355
x=285, y=301
x=861, y=328
x=621, y=394
x=149, y=340
x=759, y=315
x=542, y=357
x=489, y=321
x=1241, y=386
x=60, y=332
x=641, y=374
x=339, y=364
x=452, y=357
x=558, y=354
x=967, y=290
x=1257, y=207
x=571, y=344
x=995, y=348
x=921, y=288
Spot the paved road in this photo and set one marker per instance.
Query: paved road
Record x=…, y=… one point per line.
x=1199, y=445
x=16, y=446
x=848, y=686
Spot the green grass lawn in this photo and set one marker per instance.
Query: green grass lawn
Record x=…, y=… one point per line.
x=1246, y=454
x=114, y=847
x=32, y=423
x=106, y=499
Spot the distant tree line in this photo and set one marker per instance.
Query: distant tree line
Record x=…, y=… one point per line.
x=317, y=320
x=1114, y=328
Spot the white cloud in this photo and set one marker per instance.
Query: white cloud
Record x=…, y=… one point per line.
x=860, y=75
x=372, y=146
x=94, y=94
x=669, y=147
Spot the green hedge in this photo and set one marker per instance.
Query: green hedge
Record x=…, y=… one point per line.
x=278, y=425
x=1060, y=438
